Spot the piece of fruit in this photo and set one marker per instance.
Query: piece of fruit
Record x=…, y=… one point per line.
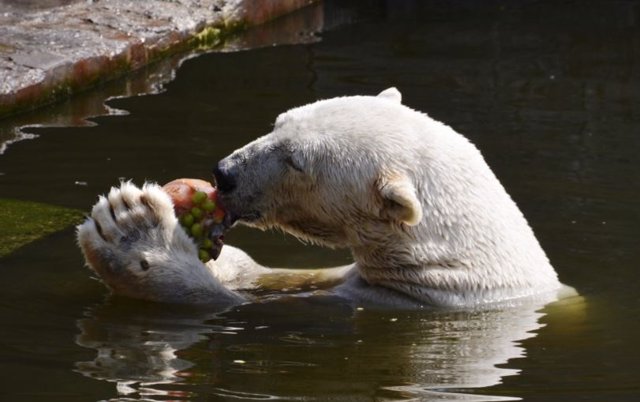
x=187, y=220
x=204, y=255
x=209, y=206
x=200, y=215
x=218, y=216
x=196, y=230
x=198, y=197
x=207, y=244
x=197, y=213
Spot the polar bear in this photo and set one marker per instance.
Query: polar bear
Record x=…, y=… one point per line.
x=425, y=218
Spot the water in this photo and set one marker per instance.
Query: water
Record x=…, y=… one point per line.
x=550, y=93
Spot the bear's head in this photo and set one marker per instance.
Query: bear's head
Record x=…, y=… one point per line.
x=414, y=200
x=337, y=172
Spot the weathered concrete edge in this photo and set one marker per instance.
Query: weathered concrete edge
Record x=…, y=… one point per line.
x=64, y=80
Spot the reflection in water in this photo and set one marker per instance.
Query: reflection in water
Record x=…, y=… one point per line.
x=137, y=348
x=302, y=348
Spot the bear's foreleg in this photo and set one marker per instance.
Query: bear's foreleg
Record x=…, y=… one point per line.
x=133, y=241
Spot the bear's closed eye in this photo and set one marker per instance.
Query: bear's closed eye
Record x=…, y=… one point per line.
x=289, y=161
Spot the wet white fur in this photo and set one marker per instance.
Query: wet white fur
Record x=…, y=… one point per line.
x=415, y=201
x=430, y=223
x=114, y=249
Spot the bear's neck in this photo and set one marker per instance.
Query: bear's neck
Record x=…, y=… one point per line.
x=439, y=265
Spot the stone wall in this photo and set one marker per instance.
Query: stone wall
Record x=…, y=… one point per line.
x=49, y=54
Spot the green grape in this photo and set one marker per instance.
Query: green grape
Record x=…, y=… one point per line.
x=204, y=255
x=207, y=243
x=209, y=206
x=196, y=230
x=187, y=220
x=198, y=197
x=196, y=212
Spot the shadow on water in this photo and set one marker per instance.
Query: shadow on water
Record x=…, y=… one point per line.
x=550, y=93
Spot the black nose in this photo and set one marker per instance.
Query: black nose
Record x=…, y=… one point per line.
x=224, y=180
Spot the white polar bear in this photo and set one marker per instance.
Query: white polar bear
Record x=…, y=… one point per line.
x=426, y=220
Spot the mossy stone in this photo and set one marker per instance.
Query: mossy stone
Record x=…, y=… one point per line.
x=22, y=222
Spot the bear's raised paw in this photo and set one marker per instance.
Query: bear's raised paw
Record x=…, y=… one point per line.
x=133, y=241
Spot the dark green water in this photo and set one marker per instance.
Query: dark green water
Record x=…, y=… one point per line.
x=549, y=91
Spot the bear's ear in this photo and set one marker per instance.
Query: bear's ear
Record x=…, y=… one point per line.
x=391, y=94
x=399, y=199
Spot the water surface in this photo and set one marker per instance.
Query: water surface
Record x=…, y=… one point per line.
x=550, y=92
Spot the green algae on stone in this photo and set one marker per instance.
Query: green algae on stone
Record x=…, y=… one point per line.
x=208, y=37
x=22, y=222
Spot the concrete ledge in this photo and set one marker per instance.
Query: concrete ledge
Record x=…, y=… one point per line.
x=48, y=55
